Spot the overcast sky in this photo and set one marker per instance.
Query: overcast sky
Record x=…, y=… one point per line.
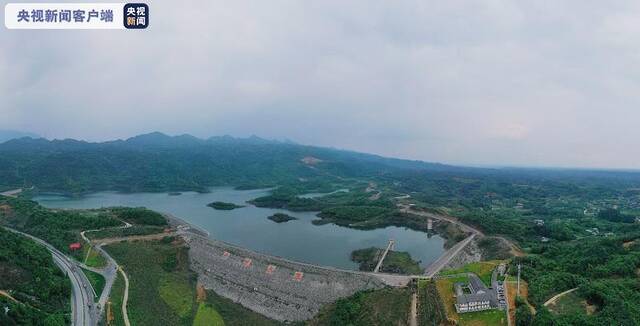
x=533, y=83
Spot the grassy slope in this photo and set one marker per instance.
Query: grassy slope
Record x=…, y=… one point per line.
x=445, y=290
x=97, y=281
x=94, y=259
x=570, y=303
x=207, y=316
x=30, y=276
x=115, y=318
x=484, y=318
x=125, y=232
x=483, y=269
x=232, y=314
x=156, y=270
x=163, y=289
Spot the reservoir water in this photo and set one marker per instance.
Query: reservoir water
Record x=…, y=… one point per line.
x=300, y=240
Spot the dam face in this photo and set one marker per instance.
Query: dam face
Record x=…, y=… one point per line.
x=275, y=287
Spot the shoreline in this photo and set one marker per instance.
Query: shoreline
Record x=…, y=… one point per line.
x=175, y=221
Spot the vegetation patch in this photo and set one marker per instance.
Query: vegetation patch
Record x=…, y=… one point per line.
x=483, y=269
x=232, y=313
x=372, y=307
x=93, y=257
x=125, y=232
x=163, y=290
x=492, y=317
x=113, y=311
x=139, y=215
x=445, y=289
x=177, y=292
x=97, y=281
x=451, y=232
x=207, y=316
x=161, y=286
x=431, y=309
x=512, y=294
x=398, y=262
x=29, y=274
x=219, y=205
x=58, y=227
x=349, y=215
x=494, y=248
x=281, y=218
x=570, y=303
x=23, y=314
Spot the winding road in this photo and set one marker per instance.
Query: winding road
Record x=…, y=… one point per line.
x=82, y=308
x=125, y=299
x=109, y=272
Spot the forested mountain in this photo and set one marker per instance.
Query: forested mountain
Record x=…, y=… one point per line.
x=6, y=135
x=156, y=162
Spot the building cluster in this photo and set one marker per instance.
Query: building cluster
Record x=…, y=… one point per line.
x=596, y=232
x=476, y=296
x=593, y=231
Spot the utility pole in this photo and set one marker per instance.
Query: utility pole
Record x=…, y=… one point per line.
x=518, y=279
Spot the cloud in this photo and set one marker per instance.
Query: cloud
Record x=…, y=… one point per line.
x=466, y=82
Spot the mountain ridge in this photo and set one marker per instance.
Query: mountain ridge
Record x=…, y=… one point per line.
x=158, y=162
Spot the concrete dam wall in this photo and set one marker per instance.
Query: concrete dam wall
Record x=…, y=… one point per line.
x=275, y=287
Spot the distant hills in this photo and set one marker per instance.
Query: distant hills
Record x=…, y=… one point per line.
x=13, y=134
x=158, y=162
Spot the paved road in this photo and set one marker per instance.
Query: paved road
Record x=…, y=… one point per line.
x=384, y=255
x=516, y=251
x=82, y=307
x=7, y=295
x=436, y=266
x=125, y=299
x=443, y=260
x=450, y=219
x=558, y=296
x=11, y=193
x=109, y=272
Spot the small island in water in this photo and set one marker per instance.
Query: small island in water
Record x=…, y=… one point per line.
x=281, y=218
x=224, y=206
x=398, y=262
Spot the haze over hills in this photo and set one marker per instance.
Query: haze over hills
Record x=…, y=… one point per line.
x=6, y=135
x=158, y=162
